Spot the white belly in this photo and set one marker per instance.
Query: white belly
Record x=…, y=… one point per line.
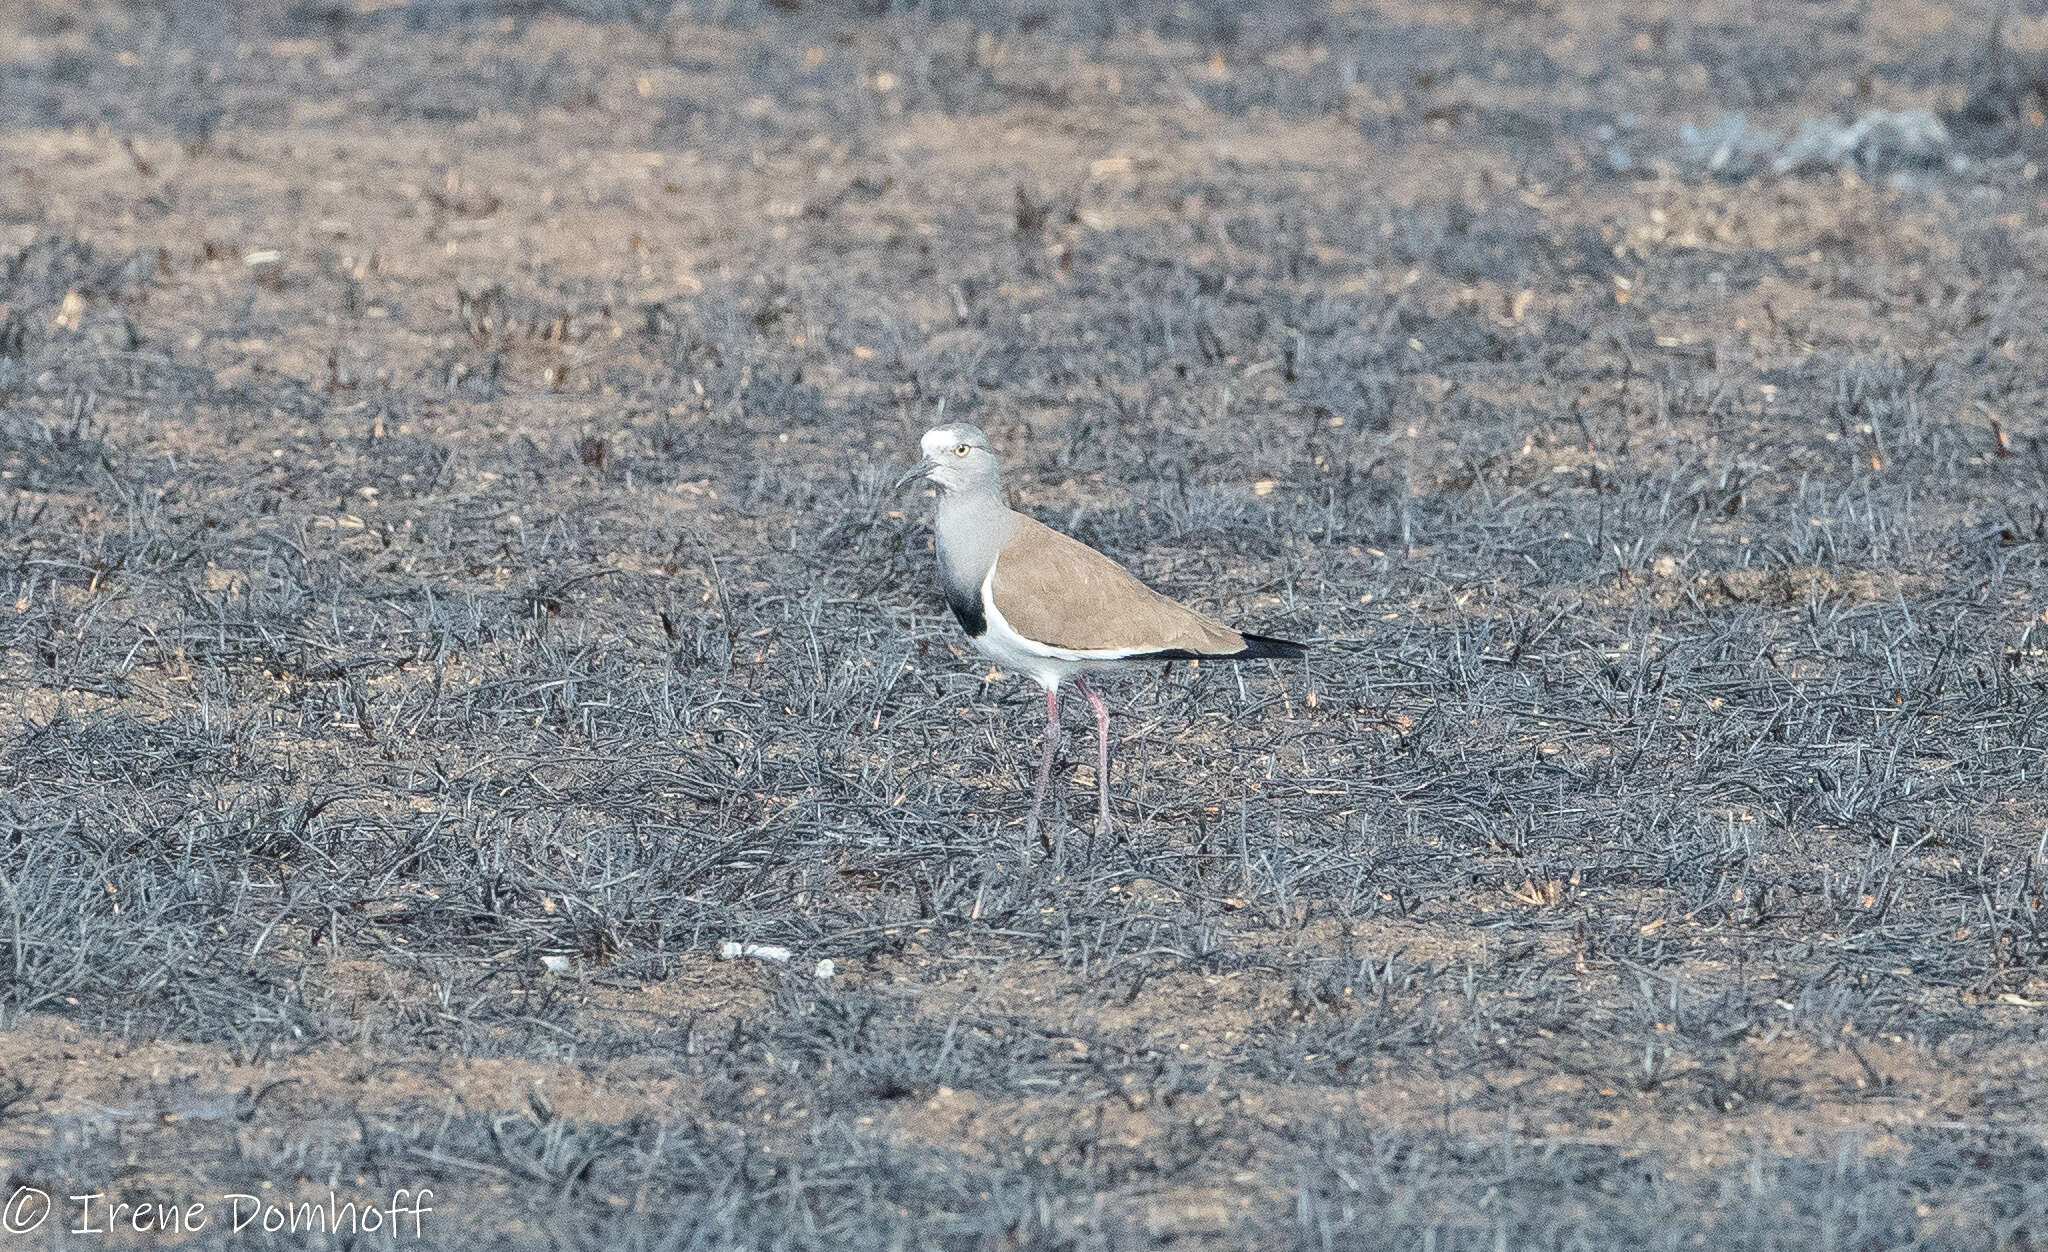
x=1011, y=651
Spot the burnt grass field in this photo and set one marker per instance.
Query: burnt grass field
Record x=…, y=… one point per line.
x=449, y=588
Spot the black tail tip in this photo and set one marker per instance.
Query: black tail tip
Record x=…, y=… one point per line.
x=1257, y=647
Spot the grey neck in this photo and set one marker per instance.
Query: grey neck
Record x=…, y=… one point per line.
x=971, y=528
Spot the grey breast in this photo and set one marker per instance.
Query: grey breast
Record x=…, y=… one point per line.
x=971, y=532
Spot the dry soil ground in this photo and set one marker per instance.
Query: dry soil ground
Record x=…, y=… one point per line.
x=448, y=588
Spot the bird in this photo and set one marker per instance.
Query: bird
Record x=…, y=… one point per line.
x=1044, y=604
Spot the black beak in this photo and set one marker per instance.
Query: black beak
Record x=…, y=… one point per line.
x=922, y=469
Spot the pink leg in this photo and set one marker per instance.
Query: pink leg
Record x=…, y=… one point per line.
x=1052, y=739
x=1101, y=755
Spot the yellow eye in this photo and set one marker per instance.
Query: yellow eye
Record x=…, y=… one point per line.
x=962, y=450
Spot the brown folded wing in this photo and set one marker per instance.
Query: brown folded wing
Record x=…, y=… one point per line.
x=1060, y=592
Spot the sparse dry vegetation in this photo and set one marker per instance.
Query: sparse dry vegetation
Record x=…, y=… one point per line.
x=448, y=589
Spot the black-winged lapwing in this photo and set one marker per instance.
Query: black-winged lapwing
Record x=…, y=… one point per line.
x=1040, y=603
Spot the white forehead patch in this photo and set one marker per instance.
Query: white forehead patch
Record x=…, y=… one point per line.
x=942, y=439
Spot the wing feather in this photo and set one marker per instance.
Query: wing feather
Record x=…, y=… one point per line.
x=1059, y=592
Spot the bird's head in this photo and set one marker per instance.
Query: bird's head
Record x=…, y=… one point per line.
x=956, y=459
